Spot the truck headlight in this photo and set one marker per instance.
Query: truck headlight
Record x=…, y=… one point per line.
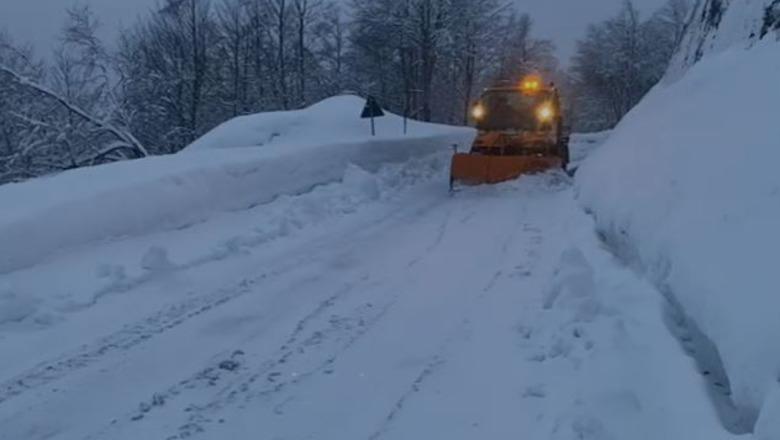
x=545, y=113
x=478, y=112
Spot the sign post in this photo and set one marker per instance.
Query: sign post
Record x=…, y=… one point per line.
x=407, y=107
x=372, y=110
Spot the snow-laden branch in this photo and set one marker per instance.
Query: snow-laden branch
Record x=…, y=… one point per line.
x=30, y=120
x=113, y=148
x=26, y=149
x=121, y=135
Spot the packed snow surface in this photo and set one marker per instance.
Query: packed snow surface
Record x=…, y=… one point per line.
x=687, y=186
x=387, y=309
x=298, y=151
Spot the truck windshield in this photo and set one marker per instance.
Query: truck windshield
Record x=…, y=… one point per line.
x=507, y=109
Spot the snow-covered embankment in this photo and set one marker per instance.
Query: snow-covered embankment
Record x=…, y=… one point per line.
x=687, y=186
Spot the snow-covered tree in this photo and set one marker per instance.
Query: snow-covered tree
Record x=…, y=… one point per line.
x=620, y=59
x=520, y=53
x=233, y=30
x=471, y=54
x=168, y=65
x=674, y=16
x=330, y=50
x=430, y=58
x=18, y=143
x=63, y=118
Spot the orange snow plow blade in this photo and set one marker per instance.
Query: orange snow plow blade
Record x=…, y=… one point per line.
x=477, y=169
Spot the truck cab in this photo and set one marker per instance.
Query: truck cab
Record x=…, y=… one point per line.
x=520, y=131
x=514, y=120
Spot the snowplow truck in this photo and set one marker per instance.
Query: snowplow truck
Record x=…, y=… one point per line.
x=520, y=131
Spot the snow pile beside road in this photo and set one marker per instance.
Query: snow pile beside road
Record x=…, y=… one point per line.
x=334, y=120
x=582, y=145
x=311, y=147
x=687, y=185
x=612, y=369
x=80, y=279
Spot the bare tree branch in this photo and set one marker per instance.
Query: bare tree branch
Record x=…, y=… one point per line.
x=107, y=127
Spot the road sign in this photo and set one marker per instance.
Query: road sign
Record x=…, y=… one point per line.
x=372, y=109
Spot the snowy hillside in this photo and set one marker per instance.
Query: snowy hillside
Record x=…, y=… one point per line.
x=300, y=150
x=687, y=188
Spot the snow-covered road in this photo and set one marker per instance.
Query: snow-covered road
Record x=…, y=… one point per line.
x=493, y=313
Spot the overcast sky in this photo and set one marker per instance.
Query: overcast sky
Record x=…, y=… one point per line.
x=39, y=21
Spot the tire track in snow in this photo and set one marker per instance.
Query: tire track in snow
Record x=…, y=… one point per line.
x=231, y=365
x=433, y=365
x=232, y=371
x=532, y=239
x=134, y=334
x=128, y=337
x=440, y=233
x=316, y=343
x=271, y=376
x=329, y=340
x=436, y=362
x=291, y=366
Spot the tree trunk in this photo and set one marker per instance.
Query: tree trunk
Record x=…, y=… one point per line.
x=198, y=73
x=282, y=54
x=302, y=6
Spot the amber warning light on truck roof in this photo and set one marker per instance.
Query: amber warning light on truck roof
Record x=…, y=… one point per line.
x=531, y=84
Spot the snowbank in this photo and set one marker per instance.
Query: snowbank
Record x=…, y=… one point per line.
x=582, y=145
x=308, y=148
x=688, y=186
x=334, y=120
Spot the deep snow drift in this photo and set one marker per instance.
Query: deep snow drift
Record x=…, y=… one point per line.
x=298, y=151
x=688, y=187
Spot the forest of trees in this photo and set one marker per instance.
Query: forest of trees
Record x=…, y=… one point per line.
x=192, y=64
